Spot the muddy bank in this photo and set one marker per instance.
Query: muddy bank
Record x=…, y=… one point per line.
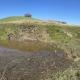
x=19, y=65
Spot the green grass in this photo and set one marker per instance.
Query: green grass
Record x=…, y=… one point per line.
x=72, y=73
x=13, y=18
x=57, y=39
x=56, y=33
x=16, y=18
x=31, y=46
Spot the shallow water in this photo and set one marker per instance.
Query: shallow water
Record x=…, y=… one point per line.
x=21, y=65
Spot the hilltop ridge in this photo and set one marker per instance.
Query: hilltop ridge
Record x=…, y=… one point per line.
x=23, y=19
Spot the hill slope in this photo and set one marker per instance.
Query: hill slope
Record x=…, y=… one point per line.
x=37, y=35
x=24, y=29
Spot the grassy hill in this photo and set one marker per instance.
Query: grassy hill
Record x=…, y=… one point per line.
x=35, y=35
x=23, y=29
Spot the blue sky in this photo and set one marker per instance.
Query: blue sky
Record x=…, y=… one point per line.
x=64, y=10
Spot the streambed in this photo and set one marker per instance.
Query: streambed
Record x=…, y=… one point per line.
x=23, y=65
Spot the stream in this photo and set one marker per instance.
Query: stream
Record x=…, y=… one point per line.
x=21, y=65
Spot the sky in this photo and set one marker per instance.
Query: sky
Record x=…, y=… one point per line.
x=61, y=10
